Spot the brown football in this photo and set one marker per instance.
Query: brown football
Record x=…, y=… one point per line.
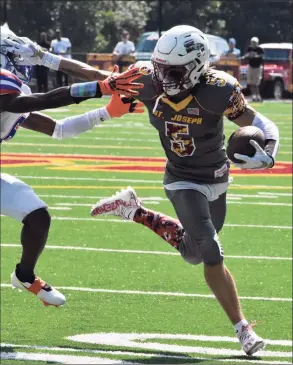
x=239, y=142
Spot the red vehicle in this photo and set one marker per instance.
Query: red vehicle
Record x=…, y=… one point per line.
x=277, y=73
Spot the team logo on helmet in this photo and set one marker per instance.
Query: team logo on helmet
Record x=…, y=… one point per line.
x=144, y=70
x=190, y=46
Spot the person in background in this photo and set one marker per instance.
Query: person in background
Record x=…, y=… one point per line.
x=61, y=46
x=232, y=51
x=123, y=48
x=41, y=71
x=254, y=55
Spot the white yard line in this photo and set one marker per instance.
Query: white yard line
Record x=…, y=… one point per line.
x=71, y=359
x=101, y=138
x=109, y=220
x=260, y=203
x=88, y=146
x=59, y=359
x=119, y=139
x=164, y=253
x=235, y=201
x=124, y=221
x=158, y=293
x=89, y=179
x=276, y=194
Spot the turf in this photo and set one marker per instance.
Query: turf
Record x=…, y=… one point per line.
x=143, y=291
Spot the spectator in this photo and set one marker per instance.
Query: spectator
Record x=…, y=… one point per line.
x=123, y=48
x=62, y=47
x=232, y=51
x=254, y=55
x=41, y=71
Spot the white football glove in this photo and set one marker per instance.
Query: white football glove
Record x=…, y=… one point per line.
x=261, y=160
x=30, y=52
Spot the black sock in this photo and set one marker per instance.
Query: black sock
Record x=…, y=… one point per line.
x=33, y=239
x=24, y=275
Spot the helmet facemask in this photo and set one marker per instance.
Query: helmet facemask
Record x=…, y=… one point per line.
x=12, y=62
x=176, y=79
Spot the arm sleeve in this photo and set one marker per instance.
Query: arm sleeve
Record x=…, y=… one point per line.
x=72, y=126
x=236, y=104
x=271, y=133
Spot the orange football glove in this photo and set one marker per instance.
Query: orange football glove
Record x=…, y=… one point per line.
x=121, y=83
x=119, y=106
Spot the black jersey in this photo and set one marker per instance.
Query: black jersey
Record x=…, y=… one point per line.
x=191, y=128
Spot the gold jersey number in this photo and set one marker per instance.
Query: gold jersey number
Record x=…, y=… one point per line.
x=181, y=145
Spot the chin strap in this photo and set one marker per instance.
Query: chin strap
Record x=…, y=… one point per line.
x=158, y=100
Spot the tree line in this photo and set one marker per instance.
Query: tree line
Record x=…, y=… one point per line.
x=95, y=25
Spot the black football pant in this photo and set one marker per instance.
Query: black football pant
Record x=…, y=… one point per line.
x=201, y=220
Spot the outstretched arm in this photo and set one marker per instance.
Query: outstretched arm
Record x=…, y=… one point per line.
x=33, y=54
x=81, y=70
x=72, y=126
x=76, y=93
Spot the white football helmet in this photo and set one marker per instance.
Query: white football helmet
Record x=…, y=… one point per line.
x=180, y=58
x=9, y=58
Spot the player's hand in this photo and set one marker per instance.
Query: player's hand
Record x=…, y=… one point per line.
x=261, y=160
x=120, y=105
x=30, y=52
x=121, y=83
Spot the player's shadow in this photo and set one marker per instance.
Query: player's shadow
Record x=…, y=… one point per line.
x=161, y=357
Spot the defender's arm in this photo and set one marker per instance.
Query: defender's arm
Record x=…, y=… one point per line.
x=72, y=126
x=20, y=103
x=33, y=54
x=119, y=84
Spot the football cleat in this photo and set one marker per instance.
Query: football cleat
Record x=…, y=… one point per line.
x=123, y=204
x=250, y=341
x=47, y=294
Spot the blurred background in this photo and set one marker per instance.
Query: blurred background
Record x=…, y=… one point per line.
x=95, y=28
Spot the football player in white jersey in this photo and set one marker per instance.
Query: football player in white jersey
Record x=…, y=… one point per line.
x=18, y=108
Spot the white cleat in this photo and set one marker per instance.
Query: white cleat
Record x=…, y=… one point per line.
x=123, y=204
x=45, y=292
x=250, y=341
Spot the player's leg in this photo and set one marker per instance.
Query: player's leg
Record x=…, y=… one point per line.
x=126, y=205
x=20, y=202
x=202, y=220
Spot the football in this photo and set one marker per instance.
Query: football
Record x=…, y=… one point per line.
x=239, y=142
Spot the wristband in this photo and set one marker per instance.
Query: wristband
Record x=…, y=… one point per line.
x=85, y=90
x=51, y=61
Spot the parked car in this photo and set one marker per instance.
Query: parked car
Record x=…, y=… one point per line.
x=277, y=75
x=147, y=43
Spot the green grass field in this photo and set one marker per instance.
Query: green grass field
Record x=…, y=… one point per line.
x=119, y=277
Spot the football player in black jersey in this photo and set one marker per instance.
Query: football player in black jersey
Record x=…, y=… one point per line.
x=187, y=101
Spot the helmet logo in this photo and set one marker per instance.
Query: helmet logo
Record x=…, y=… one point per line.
x=190, y=46
x=144, y=70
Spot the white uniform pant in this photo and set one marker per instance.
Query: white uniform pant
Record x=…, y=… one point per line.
x=17, y=198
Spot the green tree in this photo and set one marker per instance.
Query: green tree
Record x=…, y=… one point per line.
x=113, y=16
x=270, y=21
x=198, y=13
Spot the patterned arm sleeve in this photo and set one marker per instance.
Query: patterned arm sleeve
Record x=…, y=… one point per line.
x=237, y=103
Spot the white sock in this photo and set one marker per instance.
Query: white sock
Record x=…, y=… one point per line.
x=238, y=326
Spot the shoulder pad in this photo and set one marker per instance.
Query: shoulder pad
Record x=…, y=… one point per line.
x=214, y=91
x=149, y=91
x=9, y=83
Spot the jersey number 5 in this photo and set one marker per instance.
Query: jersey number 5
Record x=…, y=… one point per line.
x=181, y=146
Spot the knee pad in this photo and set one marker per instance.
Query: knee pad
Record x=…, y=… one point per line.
x=211, y=250
x=189, y=251
x=39, y=220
